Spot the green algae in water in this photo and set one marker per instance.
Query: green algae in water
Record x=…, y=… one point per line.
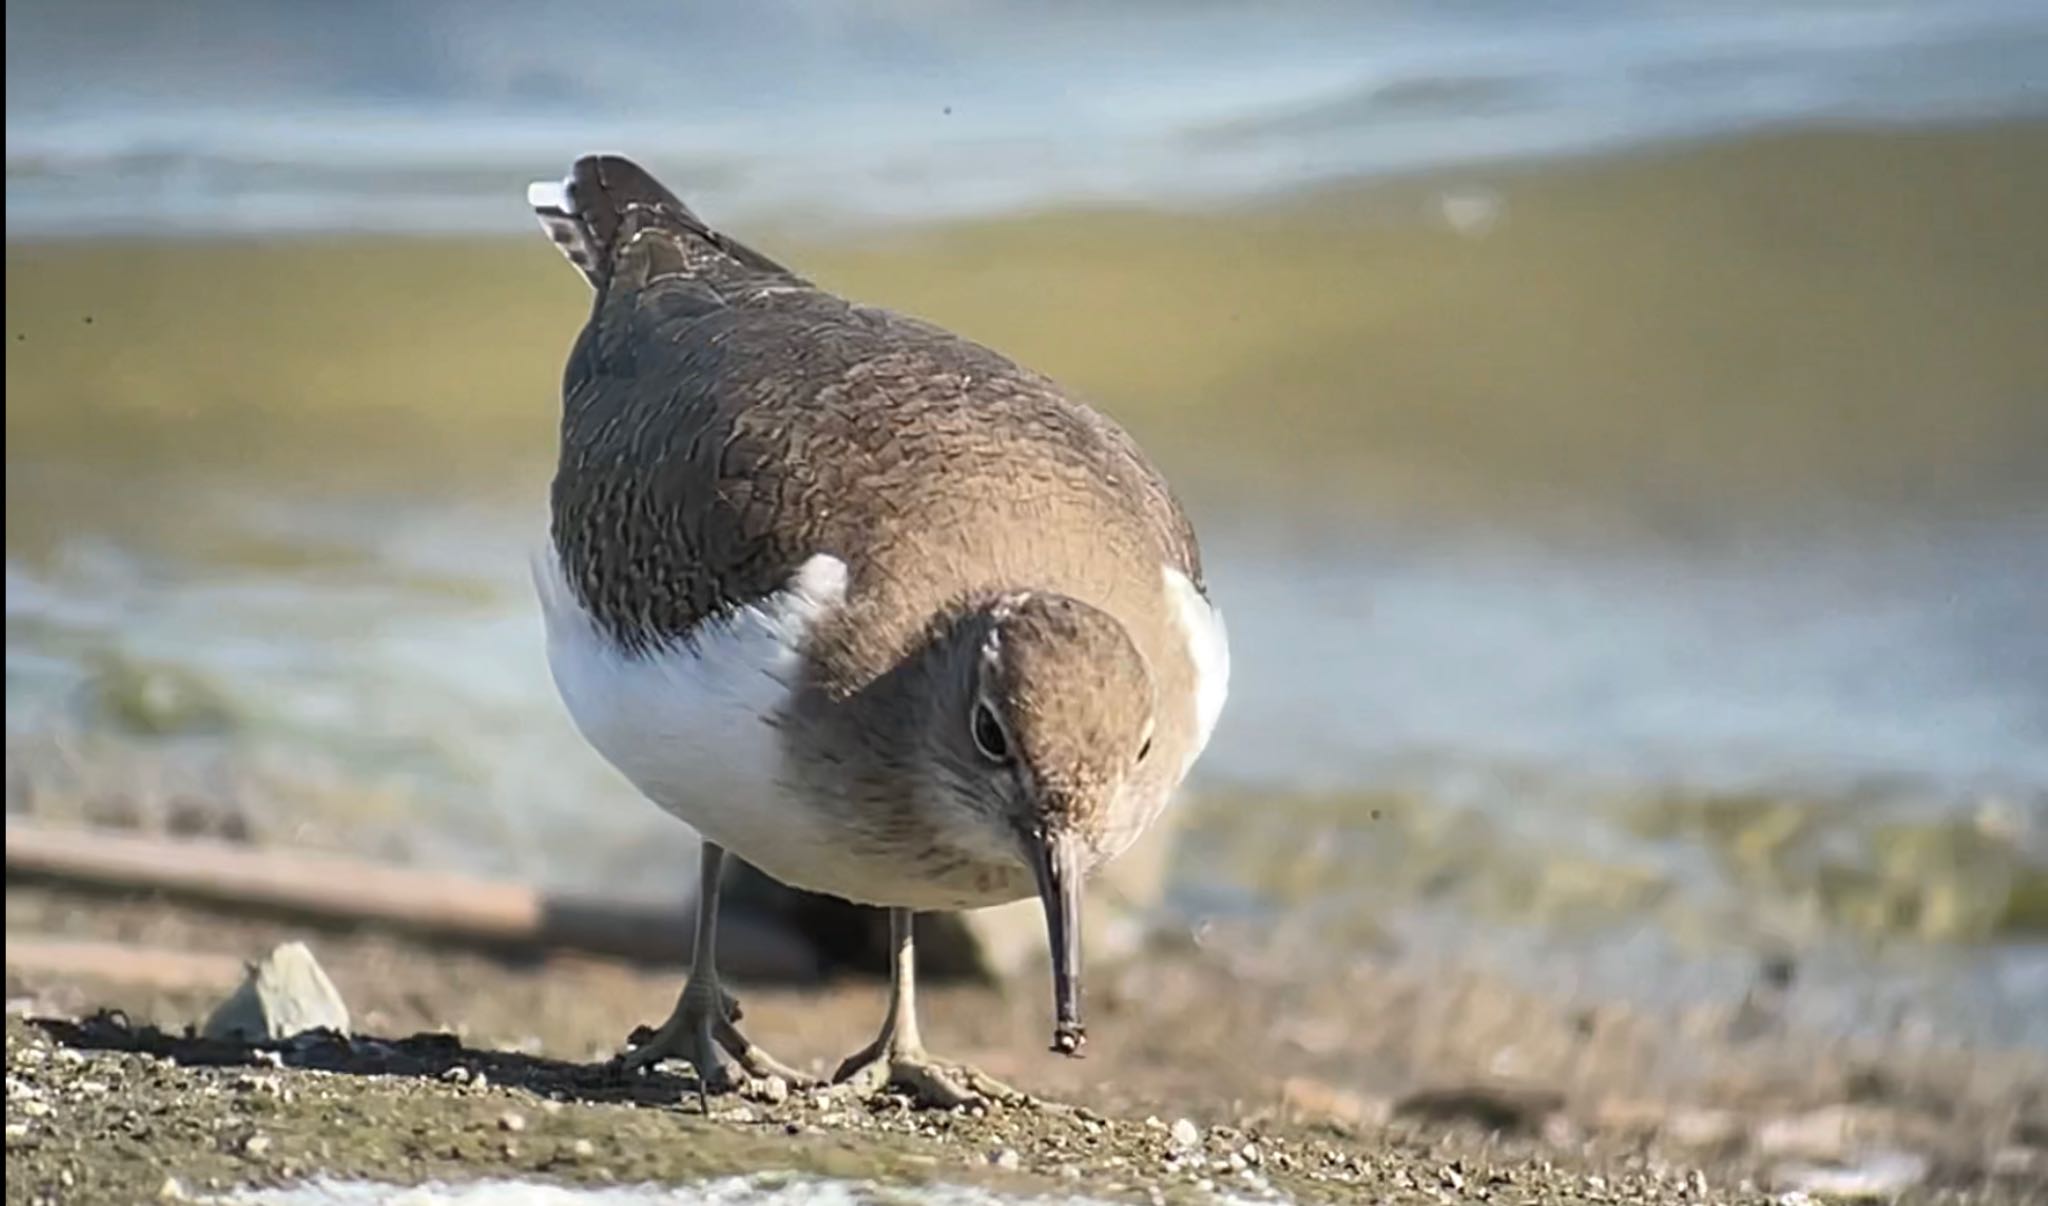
x=154, y=699
x=1350, y=855
x=1850, y=865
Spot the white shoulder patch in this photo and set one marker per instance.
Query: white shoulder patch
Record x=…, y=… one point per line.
x=1201, y=626
x=692, y=725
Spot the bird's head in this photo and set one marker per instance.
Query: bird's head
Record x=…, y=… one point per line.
x=1046, y=712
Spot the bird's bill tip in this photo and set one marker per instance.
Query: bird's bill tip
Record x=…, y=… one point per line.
x=1057, y=863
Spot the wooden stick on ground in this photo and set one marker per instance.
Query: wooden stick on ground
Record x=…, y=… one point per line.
x=338, y=890
x=153, y=967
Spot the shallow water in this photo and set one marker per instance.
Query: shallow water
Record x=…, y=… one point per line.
x=239, y=115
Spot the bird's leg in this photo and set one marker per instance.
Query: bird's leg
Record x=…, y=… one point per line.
x=702, y=1022
x=897, y=1056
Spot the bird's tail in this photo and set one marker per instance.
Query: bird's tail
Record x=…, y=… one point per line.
x=607, y=200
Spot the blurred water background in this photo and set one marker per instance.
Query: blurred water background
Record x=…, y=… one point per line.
x=1619, y=432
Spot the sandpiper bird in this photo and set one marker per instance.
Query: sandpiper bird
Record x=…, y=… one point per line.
x=863, y=602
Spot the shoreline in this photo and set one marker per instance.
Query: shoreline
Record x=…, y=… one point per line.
x=796, y=225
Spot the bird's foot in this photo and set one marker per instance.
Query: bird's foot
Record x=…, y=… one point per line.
x=882, y=1066
x=698, y=1033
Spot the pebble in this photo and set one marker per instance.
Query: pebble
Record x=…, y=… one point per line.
x=1872, y=1175
x=1822, y=1134
x=1703, y=1128
x=35, y=1108
x=512, y=1121
x=1007, y=1159
x=285, y=995
x=1186, y=1133
x=256, y=1145
x=1316, y=1099
x=583, y=1149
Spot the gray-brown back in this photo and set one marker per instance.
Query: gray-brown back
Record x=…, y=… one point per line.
x=724, y=420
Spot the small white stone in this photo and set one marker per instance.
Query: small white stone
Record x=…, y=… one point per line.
x=1007, y=1159
x=1186, y=1133
x=284, y=995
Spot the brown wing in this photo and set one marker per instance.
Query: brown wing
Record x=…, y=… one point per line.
x=724, y=420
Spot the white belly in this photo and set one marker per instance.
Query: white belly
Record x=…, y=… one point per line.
x=693, y=728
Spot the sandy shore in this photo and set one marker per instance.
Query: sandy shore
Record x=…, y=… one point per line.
x=1374, y=1082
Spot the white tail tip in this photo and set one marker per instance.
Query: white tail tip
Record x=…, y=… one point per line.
x=549, y=195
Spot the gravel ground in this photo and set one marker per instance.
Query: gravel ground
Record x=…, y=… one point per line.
x=1220, y=1070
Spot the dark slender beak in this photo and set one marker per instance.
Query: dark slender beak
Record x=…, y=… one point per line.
x=1056, y=858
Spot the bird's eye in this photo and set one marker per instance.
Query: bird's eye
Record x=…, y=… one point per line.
x=989, y=737
x=1145, y=750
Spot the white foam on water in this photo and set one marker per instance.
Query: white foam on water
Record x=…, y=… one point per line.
x=1009, y=105
x=725, y=1191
